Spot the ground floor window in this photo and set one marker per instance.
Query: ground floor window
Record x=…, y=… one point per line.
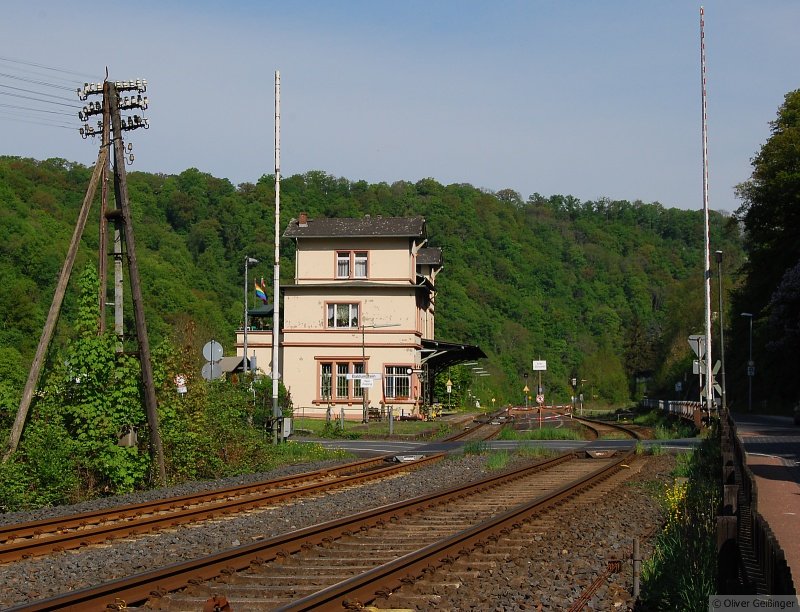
x=334, y=383
x=397, y=382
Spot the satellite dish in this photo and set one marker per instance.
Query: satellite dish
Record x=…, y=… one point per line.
x=212, y=351
x=211, y=371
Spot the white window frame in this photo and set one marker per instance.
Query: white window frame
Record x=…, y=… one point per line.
x=334, y=385
x=352, y=264
x=332, y=315
x=395, y=381
x=343, y=266
x=360, y=264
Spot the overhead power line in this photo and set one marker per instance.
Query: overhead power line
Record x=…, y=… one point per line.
x=23, y=119
x=83, y=75
x=31, y=91
x=36, y=81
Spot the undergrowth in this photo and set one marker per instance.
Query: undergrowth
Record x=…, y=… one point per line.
x=681, y=573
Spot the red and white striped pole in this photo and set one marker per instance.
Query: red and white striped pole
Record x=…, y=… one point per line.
x=707, y=246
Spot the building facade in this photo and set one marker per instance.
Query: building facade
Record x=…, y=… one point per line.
x=359, y=319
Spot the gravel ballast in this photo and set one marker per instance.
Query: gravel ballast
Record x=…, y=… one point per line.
x=38, y=578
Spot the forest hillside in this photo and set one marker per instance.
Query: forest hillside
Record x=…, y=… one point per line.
x=605, y=291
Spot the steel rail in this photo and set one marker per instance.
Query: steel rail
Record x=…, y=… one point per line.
x=480, y=425
x=138, y=588
x=634, y=434
x=77, y=539
x=363, y=589
x=124, y=512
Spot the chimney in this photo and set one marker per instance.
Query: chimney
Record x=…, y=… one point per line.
x=303, y=222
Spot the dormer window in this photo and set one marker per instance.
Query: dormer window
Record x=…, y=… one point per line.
x=351, y=264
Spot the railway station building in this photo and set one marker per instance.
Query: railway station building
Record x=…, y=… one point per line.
x=358, y=322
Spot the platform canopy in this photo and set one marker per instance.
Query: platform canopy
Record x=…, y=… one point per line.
x=438, y=355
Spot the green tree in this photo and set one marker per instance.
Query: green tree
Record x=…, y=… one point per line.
x=770, y=215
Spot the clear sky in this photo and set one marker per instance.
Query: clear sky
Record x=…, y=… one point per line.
x=589, y=98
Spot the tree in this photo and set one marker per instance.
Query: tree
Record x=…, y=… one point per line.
x=770, y=215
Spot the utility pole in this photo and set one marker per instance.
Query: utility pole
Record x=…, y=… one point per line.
x=112, y=127
x=276, y=281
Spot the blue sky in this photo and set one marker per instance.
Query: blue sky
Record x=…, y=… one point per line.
x=592, y=99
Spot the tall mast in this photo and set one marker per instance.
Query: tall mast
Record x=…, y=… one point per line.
x=707, y=245
x=276, y=332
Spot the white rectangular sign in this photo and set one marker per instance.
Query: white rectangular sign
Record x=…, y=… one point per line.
x=367, y=383
x=539, y=366
x=360, y=376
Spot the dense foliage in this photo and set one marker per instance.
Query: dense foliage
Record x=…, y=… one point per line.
x=770, y=215
x=91, y=396
x=605, y=291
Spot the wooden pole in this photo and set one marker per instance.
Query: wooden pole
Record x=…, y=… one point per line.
x=121, y=193
x=55, y=307
x=102, y=255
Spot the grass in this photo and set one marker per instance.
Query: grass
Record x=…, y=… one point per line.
x=545, y=433
x=681, y=573
x=664, y=427
x=498, y=460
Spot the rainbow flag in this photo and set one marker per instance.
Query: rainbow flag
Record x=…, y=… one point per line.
x=260, y=293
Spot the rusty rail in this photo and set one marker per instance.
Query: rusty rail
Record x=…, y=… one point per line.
x=137, y=589
x=364, y=588
x=256, y=496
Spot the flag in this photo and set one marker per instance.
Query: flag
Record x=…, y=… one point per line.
x=260, y=293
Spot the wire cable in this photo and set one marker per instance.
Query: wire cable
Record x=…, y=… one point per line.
x=35, y=82
x=61, y=70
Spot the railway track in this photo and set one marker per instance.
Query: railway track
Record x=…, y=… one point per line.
x=360, y=557
x=41, y=537
x=481, y=429
x=607, y=430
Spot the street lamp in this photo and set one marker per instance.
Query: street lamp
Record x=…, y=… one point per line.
x=718, y=255
x=364, y=415
x=751, y=367
x=247, y=261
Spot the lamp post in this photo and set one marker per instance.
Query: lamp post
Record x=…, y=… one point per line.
x=718, y=255
x=751, y=367
x=364, y=414
x=247, y=261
